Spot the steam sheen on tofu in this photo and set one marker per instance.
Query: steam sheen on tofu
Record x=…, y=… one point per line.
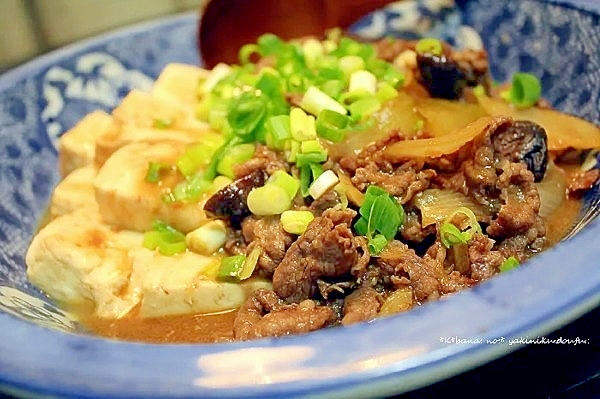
x=77, y=259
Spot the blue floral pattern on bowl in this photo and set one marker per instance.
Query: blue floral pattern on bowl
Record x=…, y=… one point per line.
x=553, y=39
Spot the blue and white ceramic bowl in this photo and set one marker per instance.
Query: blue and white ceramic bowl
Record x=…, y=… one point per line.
x=43, y=352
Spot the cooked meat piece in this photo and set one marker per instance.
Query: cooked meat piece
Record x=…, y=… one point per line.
x=412, y=230
x=324, y=202
x=361, y=305
x=523, y=141
x=330, y=290
x=230, y=201
x=424, y=273
x=326, y=249
x=267, y=233
x=583, y=181
x=521, y=202
x=404, y=182
x=480, y=177
x=427, y=276
x=264, y=159
x=264, y=314
x=484, y=261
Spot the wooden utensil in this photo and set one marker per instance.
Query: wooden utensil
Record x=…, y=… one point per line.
x=226, y=25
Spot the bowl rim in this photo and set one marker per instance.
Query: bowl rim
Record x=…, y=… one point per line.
x=35, y=359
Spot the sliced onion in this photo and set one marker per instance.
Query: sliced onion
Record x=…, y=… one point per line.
x=436, y=204
x=443, y=117
x=438, y=146
x=552, y=190
x=563, y=130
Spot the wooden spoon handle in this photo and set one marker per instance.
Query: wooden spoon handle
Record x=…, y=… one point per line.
x=226, y=25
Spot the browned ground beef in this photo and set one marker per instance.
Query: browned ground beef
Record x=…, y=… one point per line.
x=327, y=249
x=264, y=314
x=267, y=234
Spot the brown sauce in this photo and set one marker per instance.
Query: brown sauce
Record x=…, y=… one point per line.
x=208, y=328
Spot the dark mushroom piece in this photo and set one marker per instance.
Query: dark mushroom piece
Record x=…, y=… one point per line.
x=523, y=141
x=441, y=76
x=447, y=75
x=231, y=201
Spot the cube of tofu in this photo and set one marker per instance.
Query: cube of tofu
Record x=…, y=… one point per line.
x=80, y=261
x=178, y=83
x=77, y=260
x=145, y=110
x=74, y=192
x=136, y=118
x=126, y=200
x=179, y=285
x=77, y=145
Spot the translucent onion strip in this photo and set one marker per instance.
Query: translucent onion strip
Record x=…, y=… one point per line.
x=436, y=204
x=552, y=190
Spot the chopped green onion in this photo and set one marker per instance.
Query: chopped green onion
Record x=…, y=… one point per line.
x=289, y=183
x=450, y=234
x=429, y=45
x=198, y=155
x=246, y=113
x=279, y=131
x=309, y=173
x=509, y=263
x=323, y=183
x=380, y=213
x=302, y=125
x=525, y=90
x=351, y=63
x=294, y=150
x=362, y=81
x=162, y=123
x=330, y=125
x=190, y=190
x=307, y=158
x=168, y=240
x=315, y=101
x=234, y=156
x=269, y=199
x=377, y=243
x=208, y=238
x=296, y=222
x=333, y=88
x=154, y=169
x=246, y=52
x=364, y=107
x=385, y=91
x=311, y=146
x=231, y=267
x=313, y=50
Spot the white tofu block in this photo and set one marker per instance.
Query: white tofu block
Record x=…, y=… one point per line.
x=77, y=145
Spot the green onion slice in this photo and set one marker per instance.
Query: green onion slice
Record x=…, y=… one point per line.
x=429, y=45
x=509, y=263
x=165, y=238
x=330, y=125
x=525, y=90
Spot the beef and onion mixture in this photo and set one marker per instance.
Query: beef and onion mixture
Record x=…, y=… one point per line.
x=318, y=183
